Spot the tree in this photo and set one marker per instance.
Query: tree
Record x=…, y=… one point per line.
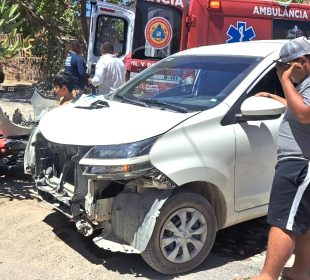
x=9, y=23
x=51, y=24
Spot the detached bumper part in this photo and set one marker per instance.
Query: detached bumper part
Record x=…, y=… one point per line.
x=109, y=241
x=133, y=219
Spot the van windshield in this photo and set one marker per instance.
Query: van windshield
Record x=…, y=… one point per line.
x=192, y=83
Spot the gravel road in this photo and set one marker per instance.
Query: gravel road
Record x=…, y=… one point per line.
x=38, y=242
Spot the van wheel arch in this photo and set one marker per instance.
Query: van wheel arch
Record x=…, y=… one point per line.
x=213, y=194
x=183, y=235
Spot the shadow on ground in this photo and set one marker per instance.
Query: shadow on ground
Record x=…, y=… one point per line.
x=239, y=242
x=235, y=243
x=131, y=264
x=16, y=187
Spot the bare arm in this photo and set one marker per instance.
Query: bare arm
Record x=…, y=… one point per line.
x=294, y=99
x=273, y=96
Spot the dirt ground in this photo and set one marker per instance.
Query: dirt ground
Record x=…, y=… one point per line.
x=40, y=243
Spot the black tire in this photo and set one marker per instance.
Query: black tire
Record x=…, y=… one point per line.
x=171, y=258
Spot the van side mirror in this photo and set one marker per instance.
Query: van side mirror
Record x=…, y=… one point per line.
x=260, y=108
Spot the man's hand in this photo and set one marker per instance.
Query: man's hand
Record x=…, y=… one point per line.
x=284, y=70
x=263, y=94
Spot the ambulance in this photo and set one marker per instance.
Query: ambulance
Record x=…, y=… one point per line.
x=164, y=27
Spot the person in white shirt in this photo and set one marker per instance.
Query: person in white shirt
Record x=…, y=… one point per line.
x=110, y=71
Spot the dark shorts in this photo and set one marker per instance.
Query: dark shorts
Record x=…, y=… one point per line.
x=289, y=206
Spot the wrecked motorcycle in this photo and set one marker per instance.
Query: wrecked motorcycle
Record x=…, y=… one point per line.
x=15, y=133
x=13, y=141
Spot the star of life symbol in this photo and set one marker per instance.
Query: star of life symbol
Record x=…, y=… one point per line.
x=240, y=33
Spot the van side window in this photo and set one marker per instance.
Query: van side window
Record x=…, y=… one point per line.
x=269, y=83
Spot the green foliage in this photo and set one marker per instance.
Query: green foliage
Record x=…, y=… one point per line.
x=114, y=1
x=50, y=43
x=51, y=24
x=9, y=24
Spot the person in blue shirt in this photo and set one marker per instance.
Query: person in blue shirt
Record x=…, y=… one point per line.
x=75, y=66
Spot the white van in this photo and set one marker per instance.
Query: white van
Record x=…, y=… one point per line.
x=180, y=151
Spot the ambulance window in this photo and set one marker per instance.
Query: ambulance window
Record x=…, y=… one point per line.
x=150, y=51
x=281, y=28
x=157, y=32
x=113, y=30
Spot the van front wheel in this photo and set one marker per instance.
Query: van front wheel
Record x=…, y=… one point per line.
x=183, y=235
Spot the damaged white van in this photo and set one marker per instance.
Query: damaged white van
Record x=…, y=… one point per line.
x=180, y=151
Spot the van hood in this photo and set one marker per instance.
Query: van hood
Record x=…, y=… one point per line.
x=117, y=124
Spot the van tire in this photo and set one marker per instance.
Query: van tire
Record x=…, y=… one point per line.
x=198, y=217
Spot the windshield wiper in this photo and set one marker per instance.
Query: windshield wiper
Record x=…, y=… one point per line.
x=164, y=105
x=131, y=101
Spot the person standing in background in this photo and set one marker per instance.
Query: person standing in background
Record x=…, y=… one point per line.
x=110, y=71
x=1, y=75
x=75, y=66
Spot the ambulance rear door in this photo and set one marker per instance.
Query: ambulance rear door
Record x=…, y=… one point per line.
x=112, y=23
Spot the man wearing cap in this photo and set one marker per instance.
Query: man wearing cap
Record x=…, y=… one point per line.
x=289, y=208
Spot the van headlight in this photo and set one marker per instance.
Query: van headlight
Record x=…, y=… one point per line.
x=119, y=161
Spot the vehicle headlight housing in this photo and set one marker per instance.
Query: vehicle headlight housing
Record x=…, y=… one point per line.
x=121, y=161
